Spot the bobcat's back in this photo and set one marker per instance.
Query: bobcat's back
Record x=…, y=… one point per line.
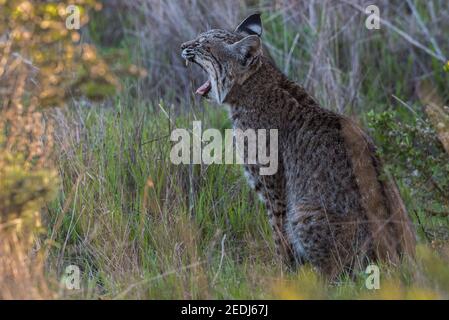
x=334, y=192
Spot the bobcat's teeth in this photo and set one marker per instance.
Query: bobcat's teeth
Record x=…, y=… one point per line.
x=187, y=63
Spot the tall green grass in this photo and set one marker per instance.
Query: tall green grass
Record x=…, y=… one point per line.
x=125, y=211
x=140, y=227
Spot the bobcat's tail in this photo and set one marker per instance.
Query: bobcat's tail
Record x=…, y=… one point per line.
x=400, y=222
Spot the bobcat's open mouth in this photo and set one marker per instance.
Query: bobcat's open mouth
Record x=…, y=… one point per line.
x=205, y=88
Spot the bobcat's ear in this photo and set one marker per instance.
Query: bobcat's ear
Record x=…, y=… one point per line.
x=252, y=25
x=247, y=48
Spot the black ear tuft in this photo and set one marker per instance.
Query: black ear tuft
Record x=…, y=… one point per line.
x=252, y=25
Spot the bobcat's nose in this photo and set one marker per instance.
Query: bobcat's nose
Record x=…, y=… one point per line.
x=188, y=54
x=188, y=50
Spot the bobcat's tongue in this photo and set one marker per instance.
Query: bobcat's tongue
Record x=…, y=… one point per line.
x=204, y=89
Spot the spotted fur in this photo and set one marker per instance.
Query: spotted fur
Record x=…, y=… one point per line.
x=327, y=203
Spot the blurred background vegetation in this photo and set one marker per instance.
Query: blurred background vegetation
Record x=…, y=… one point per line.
x=85, y=119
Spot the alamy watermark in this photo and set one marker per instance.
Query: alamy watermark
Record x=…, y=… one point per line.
x=372, y=282
x=258, y=147
x=73, y=20
x=373, y=19
x=72, y=277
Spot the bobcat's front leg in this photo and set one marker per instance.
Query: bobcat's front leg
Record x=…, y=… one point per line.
x=271, y=192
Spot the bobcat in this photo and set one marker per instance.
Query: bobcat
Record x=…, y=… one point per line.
x=327, y=203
